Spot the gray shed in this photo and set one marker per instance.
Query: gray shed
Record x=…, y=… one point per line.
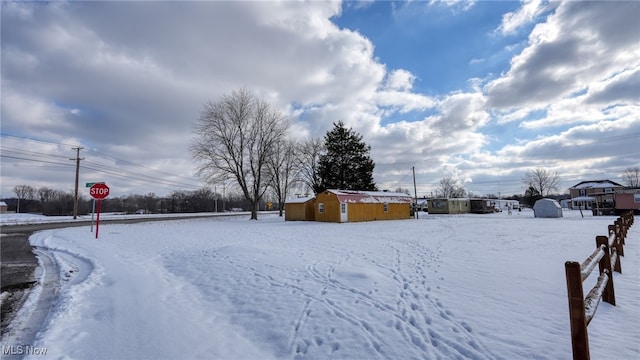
x=547, y=208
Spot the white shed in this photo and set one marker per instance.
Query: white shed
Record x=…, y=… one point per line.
x=547, y=208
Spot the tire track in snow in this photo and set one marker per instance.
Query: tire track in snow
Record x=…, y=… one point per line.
x=32, y=317
x=59, y=270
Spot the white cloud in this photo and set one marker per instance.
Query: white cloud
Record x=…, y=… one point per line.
x=134, y=90
x=513, y=21
x=574, y=48
x=400, y=79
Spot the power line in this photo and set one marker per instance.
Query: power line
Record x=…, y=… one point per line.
x=139, y=178
x=138, y=165
x=37, y=140
x=34, y=160
x=145, y=176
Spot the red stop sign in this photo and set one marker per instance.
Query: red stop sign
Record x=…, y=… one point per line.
x=99, y=191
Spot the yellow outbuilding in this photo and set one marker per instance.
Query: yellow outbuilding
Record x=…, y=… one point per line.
x=299, y=209
x=352, y=206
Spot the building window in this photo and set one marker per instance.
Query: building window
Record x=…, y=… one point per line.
x=386, y=207
x=583, y=192
x=343, y=208
x=321, y=208
x=608, y=190
x=439, y=204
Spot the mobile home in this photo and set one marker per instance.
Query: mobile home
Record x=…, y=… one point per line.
x=449, y=206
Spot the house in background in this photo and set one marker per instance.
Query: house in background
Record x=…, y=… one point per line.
x=597, y=195
x=3, y=207
x=300, y=209
x=352, y=206
x=627, y=199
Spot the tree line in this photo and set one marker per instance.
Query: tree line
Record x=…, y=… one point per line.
x=54, y=202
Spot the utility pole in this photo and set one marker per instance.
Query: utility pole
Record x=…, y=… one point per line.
x=415, y=192
x=77, y=160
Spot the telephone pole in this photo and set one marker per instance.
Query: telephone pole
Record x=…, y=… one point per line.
x=415, y=192
x=75, y=199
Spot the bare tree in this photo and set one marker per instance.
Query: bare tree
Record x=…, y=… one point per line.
x=542, y=180
x=451, y=188
x=632, y=177
x=283, y=170
x=308, y=156
x=234, y=139
x=23, y=192
x=45, y=194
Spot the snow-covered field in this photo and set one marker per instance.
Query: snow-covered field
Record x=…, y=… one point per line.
x=441, y=287
x=25, y=219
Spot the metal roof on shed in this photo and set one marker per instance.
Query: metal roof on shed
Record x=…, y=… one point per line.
x=352, y=196
x=300, y=200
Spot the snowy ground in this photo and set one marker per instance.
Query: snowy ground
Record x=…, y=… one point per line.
x=25, y=219
x=441, y=287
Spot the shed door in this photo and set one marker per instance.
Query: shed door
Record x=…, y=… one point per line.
x=343, y=212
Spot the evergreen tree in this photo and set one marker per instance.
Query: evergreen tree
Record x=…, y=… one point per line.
x=531, y=196
x=346, y=163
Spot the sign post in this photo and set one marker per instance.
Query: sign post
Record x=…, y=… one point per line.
x=98, y=191
x=93, y=211
x=93, y=208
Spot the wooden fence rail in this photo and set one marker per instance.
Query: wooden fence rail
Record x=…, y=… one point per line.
x=607, y=257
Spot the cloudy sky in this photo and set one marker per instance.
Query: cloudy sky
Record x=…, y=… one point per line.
x=478, y=90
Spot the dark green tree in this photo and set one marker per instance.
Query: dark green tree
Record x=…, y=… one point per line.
x=531, y=196
x=346, y=163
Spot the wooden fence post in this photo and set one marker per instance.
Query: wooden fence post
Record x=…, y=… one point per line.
x=577, y=317
x=618, y=241
x=604, y=265
x=620, y=227
x=617, y=245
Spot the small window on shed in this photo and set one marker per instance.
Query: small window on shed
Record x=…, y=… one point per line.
x=386, y=207
x=321, y=208
x=343, y=208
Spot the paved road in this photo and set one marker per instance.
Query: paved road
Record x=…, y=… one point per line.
x=17, y=266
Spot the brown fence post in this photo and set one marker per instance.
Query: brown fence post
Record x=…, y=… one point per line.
x=605, y=266
x=622, y=229
x=577, y=317
x=617, y=245
x=618, y=241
